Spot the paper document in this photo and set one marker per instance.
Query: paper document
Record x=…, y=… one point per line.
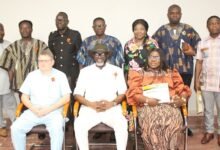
x=199, y=102
x=157, y=91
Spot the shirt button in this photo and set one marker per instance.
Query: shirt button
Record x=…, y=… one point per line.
x=62, y=35
x=61, y=42
x=61, y=65
x=61, y=50
x=61, y=57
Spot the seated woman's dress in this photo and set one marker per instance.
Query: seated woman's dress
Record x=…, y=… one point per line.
x=160, y=125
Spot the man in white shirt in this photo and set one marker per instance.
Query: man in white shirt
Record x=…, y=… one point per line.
x=207, y=77
x=100, y=89
x=7, y=99
x=44, y=92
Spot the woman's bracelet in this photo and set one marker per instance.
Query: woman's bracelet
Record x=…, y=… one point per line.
x=183, y=99
x=146, y=101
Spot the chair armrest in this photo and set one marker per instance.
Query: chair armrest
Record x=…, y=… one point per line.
x=124, y=107
x=21, y=105
x=75, y=109
x=134, y=111
x=19, y=109
x=65, y=109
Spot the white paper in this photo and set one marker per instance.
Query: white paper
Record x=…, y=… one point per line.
x=181, y=44
x=157, y=91
x=199, y=102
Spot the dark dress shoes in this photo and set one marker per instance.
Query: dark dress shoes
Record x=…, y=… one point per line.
x=190, y=133
x=218, y=139
x=207, y=138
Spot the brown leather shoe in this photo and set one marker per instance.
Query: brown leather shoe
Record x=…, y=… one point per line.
x=207, y=138
x=3, y=132
x=218, y=139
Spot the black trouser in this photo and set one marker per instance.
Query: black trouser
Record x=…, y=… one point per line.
x=72, y=83
x=187, y=78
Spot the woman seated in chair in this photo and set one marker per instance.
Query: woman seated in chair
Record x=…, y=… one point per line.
x=160, y=119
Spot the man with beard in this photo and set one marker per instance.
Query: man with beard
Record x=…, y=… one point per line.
x=178, y=42
x=100, y=89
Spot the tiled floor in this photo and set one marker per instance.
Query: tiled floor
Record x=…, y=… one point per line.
x=195, y=123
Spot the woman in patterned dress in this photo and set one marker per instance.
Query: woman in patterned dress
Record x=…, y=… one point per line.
x=135, y=50
x=160, y=122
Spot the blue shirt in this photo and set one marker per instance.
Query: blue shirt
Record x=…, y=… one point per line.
x=169, y=40
x=45, y=90
x=111, y=42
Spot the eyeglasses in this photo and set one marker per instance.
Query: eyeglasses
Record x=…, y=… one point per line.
x=154, y=57
x=99, y=54
x=99, y=26
x=43, y=61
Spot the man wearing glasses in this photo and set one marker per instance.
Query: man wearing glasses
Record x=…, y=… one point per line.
x=44, y=92
x=100, y=89
x=111, y=42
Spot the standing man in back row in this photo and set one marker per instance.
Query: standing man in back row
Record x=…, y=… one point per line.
x=64, y=44
x=20, y=57
x=100, y=37
x=7, y=99
x=179, y=43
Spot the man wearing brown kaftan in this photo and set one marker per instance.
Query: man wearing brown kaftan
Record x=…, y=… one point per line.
x=20, y=57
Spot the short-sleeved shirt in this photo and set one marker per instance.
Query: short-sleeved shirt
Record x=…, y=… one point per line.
x=209, y=52
x=170, y=39
x=113, y=44
x=100, y=84
x=45, y=90
x=21, y=59
x=4, y=79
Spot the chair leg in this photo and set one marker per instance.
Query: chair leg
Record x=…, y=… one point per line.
x=135, y=133
x=64, y=139
x=77, y=147
x=186, y=133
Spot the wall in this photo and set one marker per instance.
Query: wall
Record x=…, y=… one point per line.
x=119, y=15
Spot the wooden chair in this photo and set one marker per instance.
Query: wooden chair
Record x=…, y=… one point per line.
x=100, y=128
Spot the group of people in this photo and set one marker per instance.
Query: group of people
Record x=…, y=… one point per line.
x=45, y=76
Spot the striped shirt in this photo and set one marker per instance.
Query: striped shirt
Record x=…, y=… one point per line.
x=209, y=52
x=21, y=59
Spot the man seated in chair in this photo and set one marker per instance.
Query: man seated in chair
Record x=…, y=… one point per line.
x=100, y=89
x=44, y=92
